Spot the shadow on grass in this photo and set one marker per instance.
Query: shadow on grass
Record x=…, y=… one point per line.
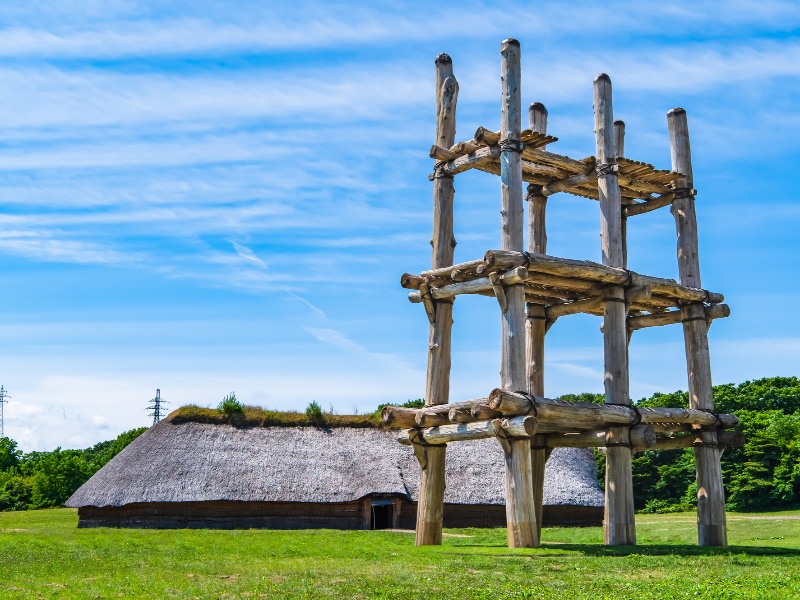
x=672, y=549
x=645, y=550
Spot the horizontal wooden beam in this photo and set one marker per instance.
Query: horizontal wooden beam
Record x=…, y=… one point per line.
x=475, y=286
x=522, y=426
x=502, y=260
x=718, y=311
x=731, y=439
x=648, y=205
x=586, y=415
x=642, y=437
x=474, y=160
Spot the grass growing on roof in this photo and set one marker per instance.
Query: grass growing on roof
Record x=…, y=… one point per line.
x=43, y=554
x=255, y=416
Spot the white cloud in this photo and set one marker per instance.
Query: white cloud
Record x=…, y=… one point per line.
x=43, y=247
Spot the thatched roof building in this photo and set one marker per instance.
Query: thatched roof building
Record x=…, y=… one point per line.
x=216, y=475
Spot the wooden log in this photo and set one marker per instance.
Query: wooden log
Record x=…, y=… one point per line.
x=481, y=157
x=729, y=439
x=548, y=297
x=430, y=506
x=446, y=272
x=519, y=482
x=481, y=412
x=541, y=171
x=619, y=152
x=520, y=511
x=587, y=415
x=428, y=418
x=442, y=154
x=427, y=301
x=559, y=415
x=718, y=311
x=499, y=291
x=532, y=136
x=486, y=137
x=564, y=163
x=711, y=525
x=619, y=139
x=506, y=403
x=536, y=319
x=524, y=426
x=475, y=286
x=569, y=183
x=398, y=417
x=576, y=415
x=642, y=437
x=460, y=415
x=411, y=282
x=414, y=282
x=444, y=409
x=671, y=289
x=502, y=260
x=592, y=306
x=691, y=416
x=662, y=428
x=660, y=201
x=568, y=284
x=433, y=416
x=619, y=523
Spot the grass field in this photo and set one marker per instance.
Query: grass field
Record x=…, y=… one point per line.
x=44, y=555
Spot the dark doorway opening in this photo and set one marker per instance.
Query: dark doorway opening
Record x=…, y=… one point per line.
x=382, y=516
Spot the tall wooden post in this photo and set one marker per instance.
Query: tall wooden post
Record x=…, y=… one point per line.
x=619, y=152
x=520, y=512
x=711, y=528
x=536, y=319
x=619, y=525
x=430, y=507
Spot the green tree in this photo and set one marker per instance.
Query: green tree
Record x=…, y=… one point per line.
x=57, y=477
x=15, y=492
x=9, y=455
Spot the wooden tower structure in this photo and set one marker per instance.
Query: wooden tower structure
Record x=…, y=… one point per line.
x=534, y=289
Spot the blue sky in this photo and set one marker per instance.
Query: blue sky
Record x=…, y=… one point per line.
x=212, y=196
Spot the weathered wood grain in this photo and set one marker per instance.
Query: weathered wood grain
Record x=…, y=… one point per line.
x=711, y=525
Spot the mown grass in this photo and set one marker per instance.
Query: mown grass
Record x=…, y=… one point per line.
x=44, y=555
x=255, y=416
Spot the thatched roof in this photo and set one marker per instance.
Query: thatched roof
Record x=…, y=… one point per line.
x=185, y=462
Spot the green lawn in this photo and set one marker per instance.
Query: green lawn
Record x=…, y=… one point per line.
x=44, y=555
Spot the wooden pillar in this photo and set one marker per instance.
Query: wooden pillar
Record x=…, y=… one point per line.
x=711, y=528
x=536, y=319
x=520, y=513
x=437, y=387
x=619, y=525
x=619, y=152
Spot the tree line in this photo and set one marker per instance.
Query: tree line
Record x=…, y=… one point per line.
x=47, y=479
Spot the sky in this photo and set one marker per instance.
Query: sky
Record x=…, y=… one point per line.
x=206, y=197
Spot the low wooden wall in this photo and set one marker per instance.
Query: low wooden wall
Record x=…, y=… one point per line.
x=223, y=514
x=491, y=515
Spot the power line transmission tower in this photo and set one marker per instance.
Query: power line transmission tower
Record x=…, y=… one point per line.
x=3, y=396
x=155, y=407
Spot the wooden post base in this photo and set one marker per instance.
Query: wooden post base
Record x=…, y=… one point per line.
x=430, y=505
x=520, y=513
x=539, y=455
x=711, y=522
x=619, y=525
